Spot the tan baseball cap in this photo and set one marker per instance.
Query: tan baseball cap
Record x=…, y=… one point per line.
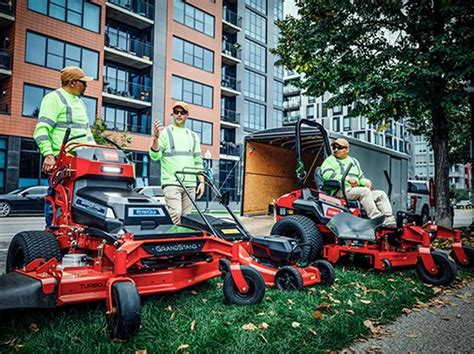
x=181, y=104
x=70, y=73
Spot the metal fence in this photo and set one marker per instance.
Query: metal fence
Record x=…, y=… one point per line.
x=127, y=89
x=128, y=45
x=138, y=7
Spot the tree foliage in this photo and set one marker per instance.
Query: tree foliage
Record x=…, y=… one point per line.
x=395, y=59
x=99, y=131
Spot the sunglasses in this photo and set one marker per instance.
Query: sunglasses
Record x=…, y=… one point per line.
x=178, y=111
x=339, y=147
x=83, y=82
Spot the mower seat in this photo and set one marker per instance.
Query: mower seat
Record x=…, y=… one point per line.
x=276, y=249
x=350, y=227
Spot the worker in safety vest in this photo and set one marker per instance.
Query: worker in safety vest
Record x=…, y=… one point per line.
x=59, y=110
x=375, y=202
x=177, y=147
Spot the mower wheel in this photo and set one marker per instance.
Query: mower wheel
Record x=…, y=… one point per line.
x=387, y=265
x=328, y=275
x=304, y=230
x=27, y=246
x=447, y=270
x=288, y=278
x=256, y=288
x=124, y=321
x=469, y=251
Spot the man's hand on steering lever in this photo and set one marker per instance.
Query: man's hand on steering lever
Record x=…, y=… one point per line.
x=48, y=163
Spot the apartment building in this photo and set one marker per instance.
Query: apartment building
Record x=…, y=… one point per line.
x=143, y=55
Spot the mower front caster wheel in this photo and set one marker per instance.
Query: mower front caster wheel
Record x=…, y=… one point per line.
x=446, y=273
x=256, y=290
x=328, y=275
x=469, y=251
x=288, y=278
x=124, y=321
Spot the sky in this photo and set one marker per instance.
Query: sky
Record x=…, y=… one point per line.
x=289, y=8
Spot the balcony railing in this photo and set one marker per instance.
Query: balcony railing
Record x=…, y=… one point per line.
x=127, y=89
x=230, y=82
x=7, y=7
x=128, y=45
x=230, y=116
x=130, y=127
x=231, y=49
x=5, y=60
x=231, y=17
x=228, y=148
x=292, y=104
x=290, y=89
x=138, y=7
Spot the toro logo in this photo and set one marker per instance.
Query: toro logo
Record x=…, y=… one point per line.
x=332, y=211
x=92, y=285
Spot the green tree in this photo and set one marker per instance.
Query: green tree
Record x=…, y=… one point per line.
x=99, y=131
x=393, y=58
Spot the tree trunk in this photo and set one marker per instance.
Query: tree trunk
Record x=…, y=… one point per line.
x=439, y=141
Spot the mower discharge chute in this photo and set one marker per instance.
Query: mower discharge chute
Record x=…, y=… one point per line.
x=342, y=227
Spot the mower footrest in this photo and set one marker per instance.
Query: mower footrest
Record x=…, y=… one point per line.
x=350, y=227
x=21, y=291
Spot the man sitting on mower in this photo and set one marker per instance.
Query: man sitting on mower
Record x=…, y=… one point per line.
x=375, y=202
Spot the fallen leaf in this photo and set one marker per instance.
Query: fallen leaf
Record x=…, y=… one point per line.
x=182, y=346
x=349, y=302
x=220, y=285
x=437, y=290
x=375, y=347
x=458, y=316
x=371, y=327
x=193, y=292
x=261, y=314
x=249, y=327
x=264, y=339
x=272, y=313
x=168, y=308
x=312, y=331
x=227, y=323
x=34, y=327
x=391, y=280
x=173, y=316
x=350, y=312
x=263, y=326
x=295, y=324
x=357, y=295
x=19, y=346
x=444, y=318
x=193, y=325
x=290, y=302
x=366, y=302
x=204, y=300
x=318, y=315
x=411, y=335
x=333, y=299
x=406, y=311
x=140, y=351
x=323, y=306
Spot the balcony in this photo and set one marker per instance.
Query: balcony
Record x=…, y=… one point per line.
x=125, y=93
x=5, y=64
x=7, y=14
x=230, y=118
x=230, y=86
x=291, y=119
x=292, y=104
x=289, y=90
x=4, y=108
x=389, y=132
x=231, y=53
x=231, y=22
x=230, y=151
x=136, y=13
x=127, y=51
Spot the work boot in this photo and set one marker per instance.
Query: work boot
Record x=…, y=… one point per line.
x=390, y=222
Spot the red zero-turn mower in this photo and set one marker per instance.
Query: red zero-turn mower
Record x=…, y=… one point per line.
x=317, y=216
x=109, y=243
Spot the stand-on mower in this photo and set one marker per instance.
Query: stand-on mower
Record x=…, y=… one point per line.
x=109, y=243
x=341, y=227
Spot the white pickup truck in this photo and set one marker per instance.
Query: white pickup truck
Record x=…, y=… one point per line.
x=418, y=201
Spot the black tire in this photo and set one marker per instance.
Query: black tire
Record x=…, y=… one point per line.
x=288, y=278
x=124, y=321
x=256, y=288
x=27, y=246
x=447, y=270
x=387, y=265
x=305, y=231
x=469, y=250
x=5, y=209
x=328, y=275
x=425, y=215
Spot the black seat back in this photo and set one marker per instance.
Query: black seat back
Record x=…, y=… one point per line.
x=330, y=186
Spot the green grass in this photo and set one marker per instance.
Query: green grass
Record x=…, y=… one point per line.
x=218, y=326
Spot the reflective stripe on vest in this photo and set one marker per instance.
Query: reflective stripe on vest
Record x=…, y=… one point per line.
x=68, y=108
x=47, y=121
x=173, y=152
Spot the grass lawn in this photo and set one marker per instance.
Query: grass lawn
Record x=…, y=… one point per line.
x=197, y=320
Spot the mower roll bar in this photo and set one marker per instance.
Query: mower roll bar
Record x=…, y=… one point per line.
x=300, y=171
x=390, y=185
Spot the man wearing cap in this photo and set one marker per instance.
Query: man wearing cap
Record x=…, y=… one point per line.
x=59, y=110
x=375, y=202
x=177, y=147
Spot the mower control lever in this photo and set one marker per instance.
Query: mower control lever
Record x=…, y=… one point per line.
x=343, y=182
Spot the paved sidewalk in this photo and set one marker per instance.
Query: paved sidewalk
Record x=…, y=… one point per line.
x=446, y=326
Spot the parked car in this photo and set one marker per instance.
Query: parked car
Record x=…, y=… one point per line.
x=464, y=204
x=419, y=201
x=154, y=192
x=23, y=200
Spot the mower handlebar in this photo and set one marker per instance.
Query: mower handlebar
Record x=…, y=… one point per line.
x=343, y=182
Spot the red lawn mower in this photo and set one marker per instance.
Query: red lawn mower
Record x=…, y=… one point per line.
x=109, y=243
x=339, y=228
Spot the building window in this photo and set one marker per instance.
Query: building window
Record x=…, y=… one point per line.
x=123, y=81
x=311, y=99
x=254, y=118
x=91, y=108
x=277, y=118
x=132, y=41
x=30, y=165
x=255, y=56
x=335, y=124
x=255, y=26
x=142, y=168
x=337, y=110
x=324, y=110
x=192, y=54
x=278, y=9
x=191, y=16
x=3, y=163
x=362, y=122
x=80, y=13
x=360, y=135
x=203, y=129
x=259, y=5
x=127, y=119
x=191, y=91
x=227, y=178
x=32, y=96
x=310, y=112
x=347, y=123
x=316, y=110
x=55, y=54
x=277, y=93
x=255, y=85
x=276, y=35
